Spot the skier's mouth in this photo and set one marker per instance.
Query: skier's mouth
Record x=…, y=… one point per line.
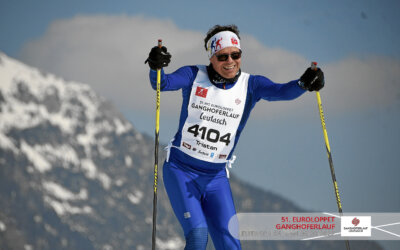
x=231, y=67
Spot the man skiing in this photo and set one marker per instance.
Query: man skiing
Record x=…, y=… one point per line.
x=217, y=101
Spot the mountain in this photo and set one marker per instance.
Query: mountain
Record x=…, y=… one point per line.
x=75, y=174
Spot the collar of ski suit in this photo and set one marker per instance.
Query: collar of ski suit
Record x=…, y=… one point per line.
x=219, y=80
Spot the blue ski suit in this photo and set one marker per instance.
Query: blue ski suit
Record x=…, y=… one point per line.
x=195, y=171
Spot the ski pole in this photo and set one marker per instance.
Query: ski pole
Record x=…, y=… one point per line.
x=328, y=151
x=153, y=239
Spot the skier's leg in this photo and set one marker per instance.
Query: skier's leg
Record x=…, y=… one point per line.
x=185, y=196
x=218, y=207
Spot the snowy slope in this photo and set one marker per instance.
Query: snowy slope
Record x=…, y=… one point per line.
x=74, y=173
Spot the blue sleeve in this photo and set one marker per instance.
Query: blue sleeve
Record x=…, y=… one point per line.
x=181, y=78
x=264, y=88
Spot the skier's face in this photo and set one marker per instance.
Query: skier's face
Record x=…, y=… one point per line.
x=228, y=68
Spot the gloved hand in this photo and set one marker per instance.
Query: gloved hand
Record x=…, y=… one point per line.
x=312, y=79
x=158, y=58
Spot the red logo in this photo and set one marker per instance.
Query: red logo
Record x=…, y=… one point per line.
x=222, y=156
x=218, y=44
x=234, y=41
x=202, y=92
x=355, y=221
x=186, y=145
x=238, y=101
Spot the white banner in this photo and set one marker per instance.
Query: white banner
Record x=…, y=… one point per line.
x=315, y=226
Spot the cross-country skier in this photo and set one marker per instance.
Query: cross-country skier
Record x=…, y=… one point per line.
x=217, y=101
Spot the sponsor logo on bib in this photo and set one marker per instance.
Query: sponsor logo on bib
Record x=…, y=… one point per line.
x=202, y=92
x=186, y=145
x=222, y=156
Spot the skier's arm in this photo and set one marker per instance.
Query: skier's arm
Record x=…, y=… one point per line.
x=160, y=58
x=181, y=78
x=264, y=88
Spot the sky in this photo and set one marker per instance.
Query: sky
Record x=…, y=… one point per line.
x=105, y=43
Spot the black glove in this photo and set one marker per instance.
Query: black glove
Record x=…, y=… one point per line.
x=312, y=80
x=158, y=58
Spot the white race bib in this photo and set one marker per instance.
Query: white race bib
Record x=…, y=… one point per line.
x=214, y=115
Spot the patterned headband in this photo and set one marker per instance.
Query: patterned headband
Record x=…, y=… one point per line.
x=222, y=40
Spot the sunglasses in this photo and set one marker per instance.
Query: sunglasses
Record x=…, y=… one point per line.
x=224, y=57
